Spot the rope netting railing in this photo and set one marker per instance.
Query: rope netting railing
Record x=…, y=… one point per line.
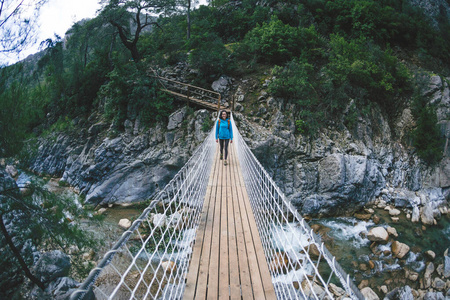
x=300, y=265
x=151, y=259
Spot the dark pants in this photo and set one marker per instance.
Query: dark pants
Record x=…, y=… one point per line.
x=224, y=144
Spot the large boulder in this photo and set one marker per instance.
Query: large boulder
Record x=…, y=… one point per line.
x=427, y=215
x=378, y=234
x=369, y=294
x=51, y=265
x=12, y=171
x=222, y=84
x=427, y=280
x=447, y=265
x=434, y=296
x=415, y=214
x=399, y=249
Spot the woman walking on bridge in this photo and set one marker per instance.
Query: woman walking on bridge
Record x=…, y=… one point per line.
x=224, y=134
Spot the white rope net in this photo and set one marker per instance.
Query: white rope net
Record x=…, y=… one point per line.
x=300, y=265
x=151, y=259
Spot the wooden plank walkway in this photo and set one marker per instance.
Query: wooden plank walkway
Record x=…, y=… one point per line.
x=228, y=259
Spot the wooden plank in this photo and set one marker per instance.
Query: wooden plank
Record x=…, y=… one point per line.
x=198, y=270
x=263, y=267
x=213, y=278
x=235, y=225
x=255, y=277
x=224, y=277
x=244, y=271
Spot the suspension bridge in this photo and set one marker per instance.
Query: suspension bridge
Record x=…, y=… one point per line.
x=219, y=232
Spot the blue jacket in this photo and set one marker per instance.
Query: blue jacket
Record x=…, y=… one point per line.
x=224, y=131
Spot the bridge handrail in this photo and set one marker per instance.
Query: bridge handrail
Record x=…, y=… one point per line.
x=267, y=197
x=201, y=92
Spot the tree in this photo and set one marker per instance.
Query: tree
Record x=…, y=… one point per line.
x=18, y=24
x=131, y=17
x=188, y=4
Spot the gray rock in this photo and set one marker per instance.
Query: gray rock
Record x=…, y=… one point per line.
x=434, y=296
x=222, y=84
x=444, y=172
x=446, y=266
x=426, y=215
x=369, y=294
x=63, y=287
x=403, y=293
x=331, y=172
x=238, y=107
x=415, y=214
x=12, y=171
x=399, y=249
x=97, y=128
x=51, y=265
x=176, y=118
x=430, y=254
x=402, y=202
x=438, y=284
x=427, y=275
x=378, y=234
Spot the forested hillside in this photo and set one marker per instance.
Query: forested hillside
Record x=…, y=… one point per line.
x=324, y=54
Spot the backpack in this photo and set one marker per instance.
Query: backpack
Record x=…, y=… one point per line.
x=228, y=123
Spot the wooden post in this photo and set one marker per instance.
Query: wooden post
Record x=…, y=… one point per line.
x=218, y=104
x=188, y=94
x=232, y=104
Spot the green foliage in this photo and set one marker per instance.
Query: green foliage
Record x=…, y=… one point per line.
x=368, y=69
x=207, y=125
x=426, y=136
x=301, y=126
x=131, y=90
x=275, y=42
x=389, y=21
x=295, y=83
x=209, y=55
x=351, y=117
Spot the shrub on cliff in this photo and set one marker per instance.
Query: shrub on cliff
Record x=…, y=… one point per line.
x=426, y=137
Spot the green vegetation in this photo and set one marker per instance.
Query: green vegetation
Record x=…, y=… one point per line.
x=426, y=137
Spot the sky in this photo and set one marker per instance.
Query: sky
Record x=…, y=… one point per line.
x=56, y=17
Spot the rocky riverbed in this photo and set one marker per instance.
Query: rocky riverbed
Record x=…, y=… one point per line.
x=388, y=254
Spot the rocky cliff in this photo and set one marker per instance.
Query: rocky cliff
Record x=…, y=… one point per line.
x=128, y=167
